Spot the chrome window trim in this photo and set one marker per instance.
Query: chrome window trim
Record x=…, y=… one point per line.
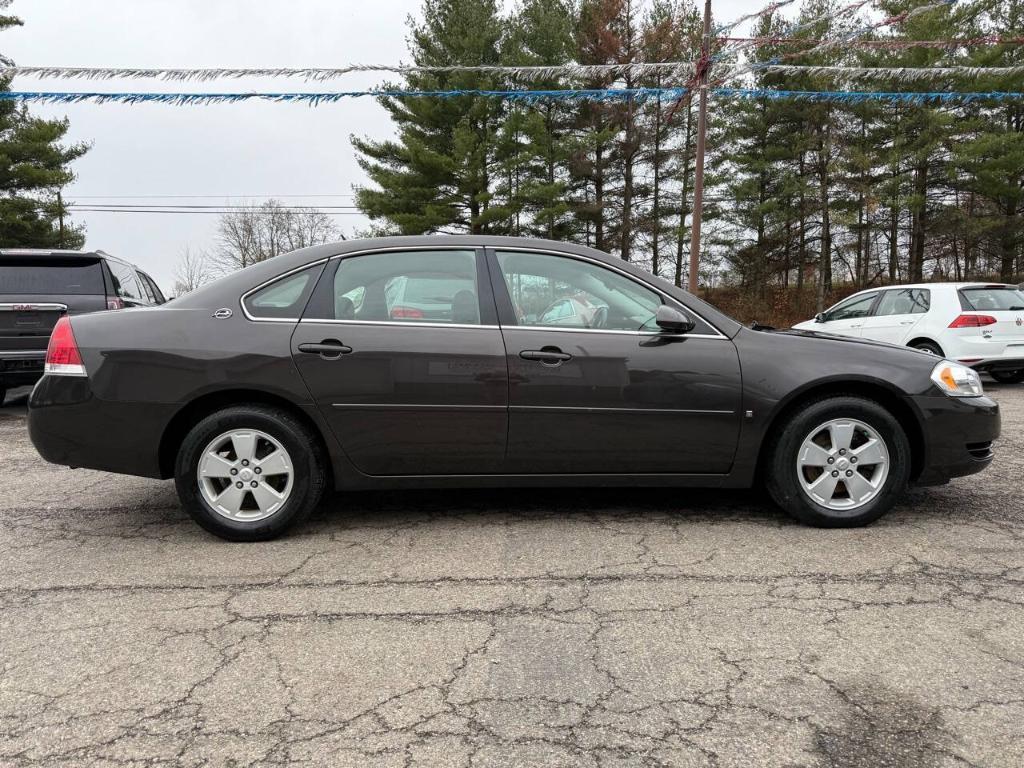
x=596, y=262
x=474, y=248
x=544, y=328
x=399, y=323
x=30, y=306
x=368, y=252
x=652, y=334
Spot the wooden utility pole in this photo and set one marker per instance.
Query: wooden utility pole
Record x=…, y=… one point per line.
x=60, y=217
x=702, y=127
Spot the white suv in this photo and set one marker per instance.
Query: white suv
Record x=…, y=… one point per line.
x=977, y=324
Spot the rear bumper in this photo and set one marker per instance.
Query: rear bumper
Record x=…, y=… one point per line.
x=68, y=425
x=19, y=368
x=958, y=436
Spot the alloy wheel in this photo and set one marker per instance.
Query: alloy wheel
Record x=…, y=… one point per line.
x=842, y=464
x=245, y=475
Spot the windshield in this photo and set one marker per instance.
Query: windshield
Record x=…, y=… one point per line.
x=992, y=298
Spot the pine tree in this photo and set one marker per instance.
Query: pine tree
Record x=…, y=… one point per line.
x=436, y=176
x=541, y=33
x=989, y=156
x=671, y=32
x=33, y=170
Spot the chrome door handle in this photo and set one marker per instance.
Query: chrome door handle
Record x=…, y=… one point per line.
x=907, y=322
x=329, y=349
x=548, y=355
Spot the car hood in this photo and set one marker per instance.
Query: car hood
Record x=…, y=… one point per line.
x=805, y=333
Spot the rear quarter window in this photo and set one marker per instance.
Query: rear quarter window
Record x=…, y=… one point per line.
x=284, y=298
x=48, y=276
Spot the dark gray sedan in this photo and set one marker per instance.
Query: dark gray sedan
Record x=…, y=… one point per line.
x=428, y=361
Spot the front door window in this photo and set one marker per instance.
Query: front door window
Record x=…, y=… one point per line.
x=556, y=291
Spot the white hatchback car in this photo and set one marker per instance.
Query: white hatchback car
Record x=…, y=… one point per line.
x=977, y=324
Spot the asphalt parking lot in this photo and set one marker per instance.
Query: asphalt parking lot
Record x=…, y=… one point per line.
x=526, y=628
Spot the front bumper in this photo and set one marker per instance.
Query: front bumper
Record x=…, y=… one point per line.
x=69, y=425
x=958, y=436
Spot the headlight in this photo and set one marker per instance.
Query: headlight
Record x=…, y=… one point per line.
x=957, y=380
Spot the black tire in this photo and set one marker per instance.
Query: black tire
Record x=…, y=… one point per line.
x=306, y=457
x=930, y=347
x=781, y=472
x=1007, y=377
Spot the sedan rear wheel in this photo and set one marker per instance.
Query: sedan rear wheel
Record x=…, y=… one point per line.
x=839, y=462
x=249, y=473
x=1008, y=377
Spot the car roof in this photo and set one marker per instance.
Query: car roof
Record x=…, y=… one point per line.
x=58, y=253
x=228, y=288
x=976, y=284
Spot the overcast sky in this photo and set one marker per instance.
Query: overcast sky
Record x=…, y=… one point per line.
x=219, y=153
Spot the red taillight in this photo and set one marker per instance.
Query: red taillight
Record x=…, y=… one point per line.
x=115, y=303
x=972, y=321
x=406, y=313
x=62, y=356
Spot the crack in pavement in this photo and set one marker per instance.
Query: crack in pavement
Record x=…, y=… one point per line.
x=599, y=628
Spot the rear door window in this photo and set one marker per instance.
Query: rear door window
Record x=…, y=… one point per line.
x=154, y=289
x=904, y=301
x=49, y=276
x=147, y=290
x=434, y=286
x=126, y=284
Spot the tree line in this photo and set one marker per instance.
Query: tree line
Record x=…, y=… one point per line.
x=799, y=194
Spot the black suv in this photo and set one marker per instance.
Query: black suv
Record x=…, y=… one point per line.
x=38, y=286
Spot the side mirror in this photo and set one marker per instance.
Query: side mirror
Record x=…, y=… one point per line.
x=820, y=317
x=672, y=320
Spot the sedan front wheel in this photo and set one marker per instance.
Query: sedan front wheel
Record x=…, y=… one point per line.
x=249, y=473
x=839, y=462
